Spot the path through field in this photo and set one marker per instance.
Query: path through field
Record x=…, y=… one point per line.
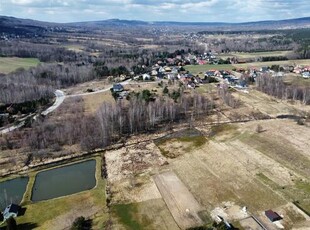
x=180, y=201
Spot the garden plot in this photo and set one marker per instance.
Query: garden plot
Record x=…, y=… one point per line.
x=181, y=203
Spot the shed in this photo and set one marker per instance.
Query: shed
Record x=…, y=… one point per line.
x=118, y=88
x=272, y=216
x=11, y=211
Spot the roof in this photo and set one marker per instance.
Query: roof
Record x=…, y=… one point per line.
x=11, y=210
x=117, y=86
x=273, y=216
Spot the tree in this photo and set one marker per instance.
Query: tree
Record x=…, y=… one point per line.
x=78, y=223
x=11, y=224
x=165, y=90
x=147, y=95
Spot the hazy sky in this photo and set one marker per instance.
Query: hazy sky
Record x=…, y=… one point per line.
x=156, y=10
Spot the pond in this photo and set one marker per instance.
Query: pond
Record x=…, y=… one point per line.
x=64, y=181
x=12, y=191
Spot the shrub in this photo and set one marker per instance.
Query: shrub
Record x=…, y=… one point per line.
x=78, y=223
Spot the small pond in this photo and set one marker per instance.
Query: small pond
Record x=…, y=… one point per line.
x=64, y=181
x=12, y=191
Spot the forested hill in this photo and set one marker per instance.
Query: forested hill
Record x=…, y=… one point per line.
x=11, y=25
x=279, y=24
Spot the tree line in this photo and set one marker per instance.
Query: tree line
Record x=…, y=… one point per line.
x=276, y=87
x=111, y=122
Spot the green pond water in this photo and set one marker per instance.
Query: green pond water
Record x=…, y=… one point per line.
x=12, y=191
x=64, y=181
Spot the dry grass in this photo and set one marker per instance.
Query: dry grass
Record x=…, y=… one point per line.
x=255, y=54
x=269, y=105
x=296, y=79
x=93, y=102
x=260, y=64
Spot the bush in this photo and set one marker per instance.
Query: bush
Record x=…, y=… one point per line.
x=301, y=121
x=166, y=90
x=78, y=223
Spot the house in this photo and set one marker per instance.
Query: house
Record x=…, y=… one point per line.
x=161, y=70
x=146, y=77
x=264, y=69
x=11, y=211
x=272, y=216
x=306, y=74
x=154, y=73
x=167, y=69
x=175, y=70
x=117, y=88
x=210, y=73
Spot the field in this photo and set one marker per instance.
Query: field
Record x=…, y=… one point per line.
x=296, y=79
x=254, y=54
x=63, y=211
x=222, y=175
x=268, y=105
x=8, y=65
x=181, y=203
x=234, y=167
x=260, y=64
x=196, y=69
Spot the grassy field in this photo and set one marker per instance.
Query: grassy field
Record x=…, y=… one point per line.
x=8, y=65
x=196, y=69
x=75, y=48
x=260, y=64
x=59, y=213
x=254, y=54
x=151, y=214
x=296, y=79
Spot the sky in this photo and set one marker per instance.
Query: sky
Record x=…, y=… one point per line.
x=156, y=10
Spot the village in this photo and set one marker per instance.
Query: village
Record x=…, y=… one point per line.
x=234, y=76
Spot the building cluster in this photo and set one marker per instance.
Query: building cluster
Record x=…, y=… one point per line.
x=303, y=70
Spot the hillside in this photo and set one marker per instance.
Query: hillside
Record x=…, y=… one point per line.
x=28, y=27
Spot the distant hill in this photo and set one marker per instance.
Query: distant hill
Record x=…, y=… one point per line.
x=28, y=27
x=260, y=25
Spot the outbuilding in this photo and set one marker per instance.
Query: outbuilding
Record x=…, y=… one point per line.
x=118, y=88
x=11, y=211
x=272, y=216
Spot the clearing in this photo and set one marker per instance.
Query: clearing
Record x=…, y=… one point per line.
x=10, y=64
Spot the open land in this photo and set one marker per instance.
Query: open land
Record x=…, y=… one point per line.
x=196, y=69
x=234, y=167
x=8, y=65
x=255, y=54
